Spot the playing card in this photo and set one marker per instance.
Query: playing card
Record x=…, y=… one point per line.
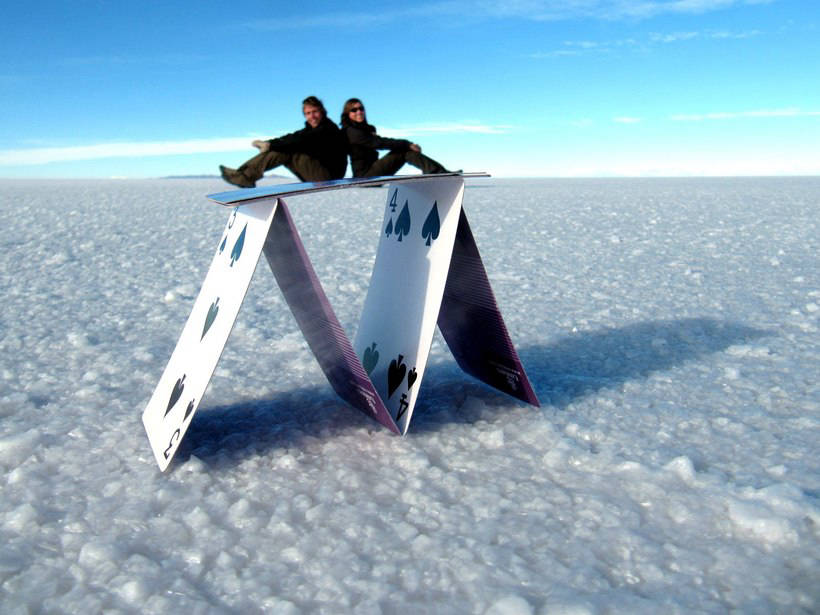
x=472, y=325
x=427, y=271
x=399, y=315
x=327, y=339
x=192, y=363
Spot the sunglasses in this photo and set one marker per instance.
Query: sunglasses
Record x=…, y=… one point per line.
x=355, y=109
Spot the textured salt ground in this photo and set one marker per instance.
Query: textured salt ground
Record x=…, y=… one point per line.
x=669, y=327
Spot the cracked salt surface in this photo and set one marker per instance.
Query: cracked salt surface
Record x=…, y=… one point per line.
x=669, y=327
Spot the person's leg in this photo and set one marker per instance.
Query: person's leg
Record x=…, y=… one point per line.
x=388, y=164
x=255, y=168
x=307, y=168
x=425, y=163
x=252, y=170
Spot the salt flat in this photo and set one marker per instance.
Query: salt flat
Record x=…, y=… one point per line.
x=669, y=327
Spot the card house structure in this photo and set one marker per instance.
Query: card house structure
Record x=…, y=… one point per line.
x=427, y=272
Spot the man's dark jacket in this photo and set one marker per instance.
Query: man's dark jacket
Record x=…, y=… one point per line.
x=326, y=143
x=364, y=143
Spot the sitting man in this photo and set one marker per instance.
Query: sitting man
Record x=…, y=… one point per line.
x=318, y=152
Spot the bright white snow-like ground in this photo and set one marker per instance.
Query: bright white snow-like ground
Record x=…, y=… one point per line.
x=669, y=327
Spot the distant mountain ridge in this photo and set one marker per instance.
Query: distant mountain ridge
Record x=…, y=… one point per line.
x=216, y=176
x=190, y=177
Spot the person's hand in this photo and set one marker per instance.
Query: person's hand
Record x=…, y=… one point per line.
x=261, y=145
x=415, y=147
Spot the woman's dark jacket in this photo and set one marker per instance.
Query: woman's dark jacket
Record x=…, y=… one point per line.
x=364, y=142
x=326, y=143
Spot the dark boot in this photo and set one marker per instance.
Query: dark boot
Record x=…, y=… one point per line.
x=237, y=178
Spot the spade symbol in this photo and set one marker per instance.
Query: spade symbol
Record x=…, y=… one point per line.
x=237, y=247
x=403, y=222
x=432, y=225
x=176, y=393
x=188, y=410
x=371, y=358
x=389, y=230
x=395, y=375
x=411, y=378
x=403, y=406
x=209, y=319
x=222, y=245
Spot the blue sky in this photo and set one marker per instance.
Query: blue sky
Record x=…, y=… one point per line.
x=524, y=88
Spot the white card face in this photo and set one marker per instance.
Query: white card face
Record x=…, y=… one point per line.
x=180, y=389
x=403, y=301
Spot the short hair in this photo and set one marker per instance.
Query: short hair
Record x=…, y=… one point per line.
x=312, y=101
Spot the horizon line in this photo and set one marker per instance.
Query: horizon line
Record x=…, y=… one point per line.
x=207, y=176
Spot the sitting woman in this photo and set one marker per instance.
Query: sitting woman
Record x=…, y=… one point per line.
x=364, y=143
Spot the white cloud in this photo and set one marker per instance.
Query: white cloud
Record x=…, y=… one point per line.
x=673, y=37
x=557, y=53
x=583, y=44
x=722, y=34
x=626, y=120
x=732, y=115
x=640, y=9
x=45, y=155
x=555, y=10
x=535, y=10
x=577, y=48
